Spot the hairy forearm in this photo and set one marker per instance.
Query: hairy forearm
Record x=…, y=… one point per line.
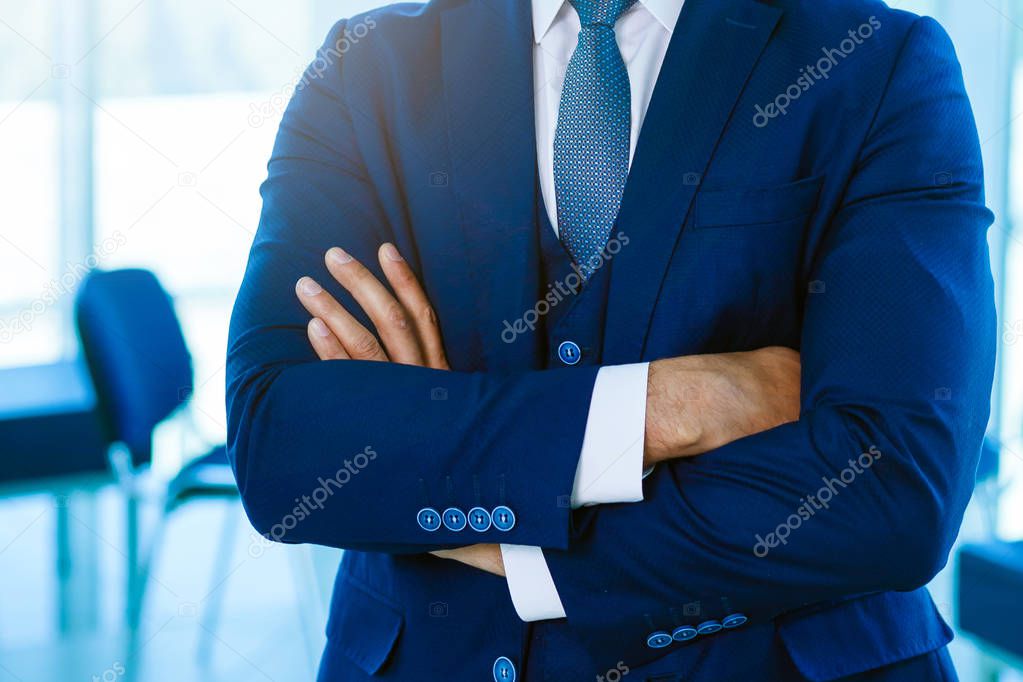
x=698, y=403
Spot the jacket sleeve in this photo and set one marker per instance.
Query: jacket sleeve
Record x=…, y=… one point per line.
x=346, y=453
x=866, y=492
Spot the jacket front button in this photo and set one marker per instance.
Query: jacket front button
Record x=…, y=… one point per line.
x=504, y=670
x=569, y=353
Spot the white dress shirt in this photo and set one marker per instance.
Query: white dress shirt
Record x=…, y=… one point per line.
x=611, y=461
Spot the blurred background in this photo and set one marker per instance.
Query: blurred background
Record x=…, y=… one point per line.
x=135, y=134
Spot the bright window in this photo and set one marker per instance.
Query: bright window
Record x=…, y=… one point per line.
x=161, y=116
x=30, y=256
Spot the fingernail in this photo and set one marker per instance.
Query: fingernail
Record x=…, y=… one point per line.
x=318, y=327
x=309, y=287
x=339, y=255
x=391, y=253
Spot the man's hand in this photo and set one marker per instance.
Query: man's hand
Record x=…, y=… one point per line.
x=408, y=334
x=405, y=322
x=484, y=557
x=700, y=402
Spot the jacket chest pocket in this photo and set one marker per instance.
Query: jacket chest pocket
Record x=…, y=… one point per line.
x=779, y=205
x=735, y=281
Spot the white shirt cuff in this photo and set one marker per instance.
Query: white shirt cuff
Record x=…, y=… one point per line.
x=611, y=462
x=530, y=583
x=610, y=470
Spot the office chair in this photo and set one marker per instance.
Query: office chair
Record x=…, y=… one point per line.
x=142, y=371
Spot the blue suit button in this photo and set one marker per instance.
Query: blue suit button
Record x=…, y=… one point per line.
x=684, y=633
x=504, y=670
x=658, y=640
x=454, y=518
x=734, y=621
x=569, y=353
x=504, y=518
x=428, y=519
x=479, y=519
x=708, y=627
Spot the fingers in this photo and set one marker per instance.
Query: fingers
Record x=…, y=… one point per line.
x=412, y=297
x=324, y=342
x=356, y=340
x=405, y=321
x=388, y=315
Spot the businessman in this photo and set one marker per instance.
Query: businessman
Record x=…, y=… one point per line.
x=639, y=339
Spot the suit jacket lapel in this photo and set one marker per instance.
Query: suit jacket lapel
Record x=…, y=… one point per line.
x=488, y=88
x=712, y=52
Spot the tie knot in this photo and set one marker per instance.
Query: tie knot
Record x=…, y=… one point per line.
x=603, y=12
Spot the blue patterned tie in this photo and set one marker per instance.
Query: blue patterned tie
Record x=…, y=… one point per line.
x=591, y=143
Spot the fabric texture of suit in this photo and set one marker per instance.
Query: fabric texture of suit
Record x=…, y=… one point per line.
x=850, y=226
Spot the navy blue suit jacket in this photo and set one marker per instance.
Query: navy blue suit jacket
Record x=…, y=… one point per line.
x=850, y=227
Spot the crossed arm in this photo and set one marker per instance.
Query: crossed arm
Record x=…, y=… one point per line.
x=739, y=394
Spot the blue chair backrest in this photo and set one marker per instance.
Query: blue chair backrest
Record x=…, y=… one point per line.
x=135, y=352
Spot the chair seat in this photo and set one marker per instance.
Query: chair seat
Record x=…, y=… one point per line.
x=49, y=425
x=207, y=476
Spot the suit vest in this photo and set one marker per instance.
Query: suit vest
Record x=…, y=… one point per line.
x=572, y=311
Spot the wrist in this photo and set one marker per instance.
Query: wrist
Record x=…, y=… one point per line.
x=673, y=424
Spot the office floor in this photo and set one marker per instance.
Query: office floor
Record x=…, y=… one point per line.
x=57, y=626
x=44, y=637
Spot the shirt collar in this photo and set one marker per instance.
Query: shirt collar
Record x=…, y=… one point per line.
x=545, y=11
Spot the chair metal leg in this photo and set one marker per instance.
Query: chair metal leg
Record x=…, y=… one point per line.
x=77, y=561
x=140, y=558
x=209, y=619
x=133, y=598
